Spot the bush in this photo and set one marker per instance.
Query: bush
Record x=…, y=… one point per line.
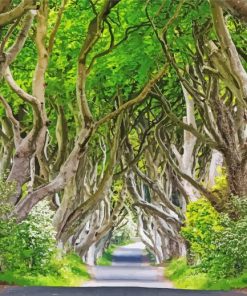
x=229, y=256
x=70, y=272
x=32, y=242
x=218, y=243
x=202, y=222
x=6, y=190
x=28, y=250
x=187, y=277
x=26, y=247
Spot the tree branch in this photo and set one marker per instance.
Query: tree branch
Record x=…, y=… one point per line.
x=237, y=8
x=56, y=26
x=18, y=11
x=18, y=90
x=198, y=186
x=228, y=46
x=141, y=97
x=21, y=39
x=15, y=123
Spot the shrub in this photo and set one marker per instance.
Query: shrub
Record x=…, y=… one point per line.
x=70, y=271
x=229, y=256
x=6, y=190
x=26, y=247
x=187, y=277
x=202, y=222
x=218, y=242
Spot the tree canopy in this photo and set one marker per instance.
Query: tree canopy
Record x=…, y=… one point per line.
x=118, y=108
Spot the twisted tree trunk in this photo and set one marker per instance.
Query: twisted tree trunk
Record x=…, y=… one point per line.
x=237, y=7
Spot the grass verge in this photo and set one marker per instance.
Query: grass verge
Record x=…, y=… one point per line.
x=185, y=277
x=70, y=272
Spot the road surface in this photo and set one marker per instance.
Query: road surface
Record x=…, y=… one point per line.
x=108, y=291
x=129, y=275
x=129, y=268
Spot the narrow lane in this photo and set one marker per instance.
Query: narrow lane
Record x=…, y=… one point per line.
x=130, y=268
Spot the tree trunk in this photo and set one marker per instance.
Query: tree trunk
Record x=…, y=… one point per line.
x=236, y=7
x=216, y=162
x=237, y=175
x=4, y=5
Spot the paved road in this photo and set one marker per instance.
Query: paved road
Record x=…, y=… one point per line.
x=108, y=291
x=129, y=275
x=129, y=268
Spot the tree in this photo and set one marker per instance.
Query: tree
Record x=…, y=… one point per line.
x=238, y=8
x=111, y=106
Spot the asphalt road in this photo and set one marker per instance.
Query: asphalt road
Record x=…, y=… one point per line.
x=130, y=268
x=129, y=275
x=108, y=291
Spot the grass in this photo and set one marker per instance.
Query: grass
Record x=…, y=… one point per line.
x=106, y=259
x=71, y=272
x=185, y=277
x=151, y=257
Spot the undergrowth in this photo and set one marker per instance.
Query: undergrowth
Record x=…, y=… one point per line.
x=68, y=271
x=186, y=277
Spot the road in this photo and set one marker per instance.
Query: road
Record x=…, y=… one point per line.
x=129, y=275
x=130, y=268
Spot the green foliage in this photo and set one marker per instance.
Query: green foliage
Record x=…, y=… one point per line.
x=202, y=222
x=221, y=188
x=229, y=256
x=218, y=242
x=28, y=249
x=106, y=258
x=187, y=277
x=184, y=276
x=32, y=242
x=70, y=271
x=221, y=183
x=6, y=190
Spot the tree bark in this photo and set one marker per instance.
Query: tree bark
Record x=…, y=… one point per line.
x=237, y=7
x=18, y=11
x=4, y=5
x=215, y=163
x=229, y=48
